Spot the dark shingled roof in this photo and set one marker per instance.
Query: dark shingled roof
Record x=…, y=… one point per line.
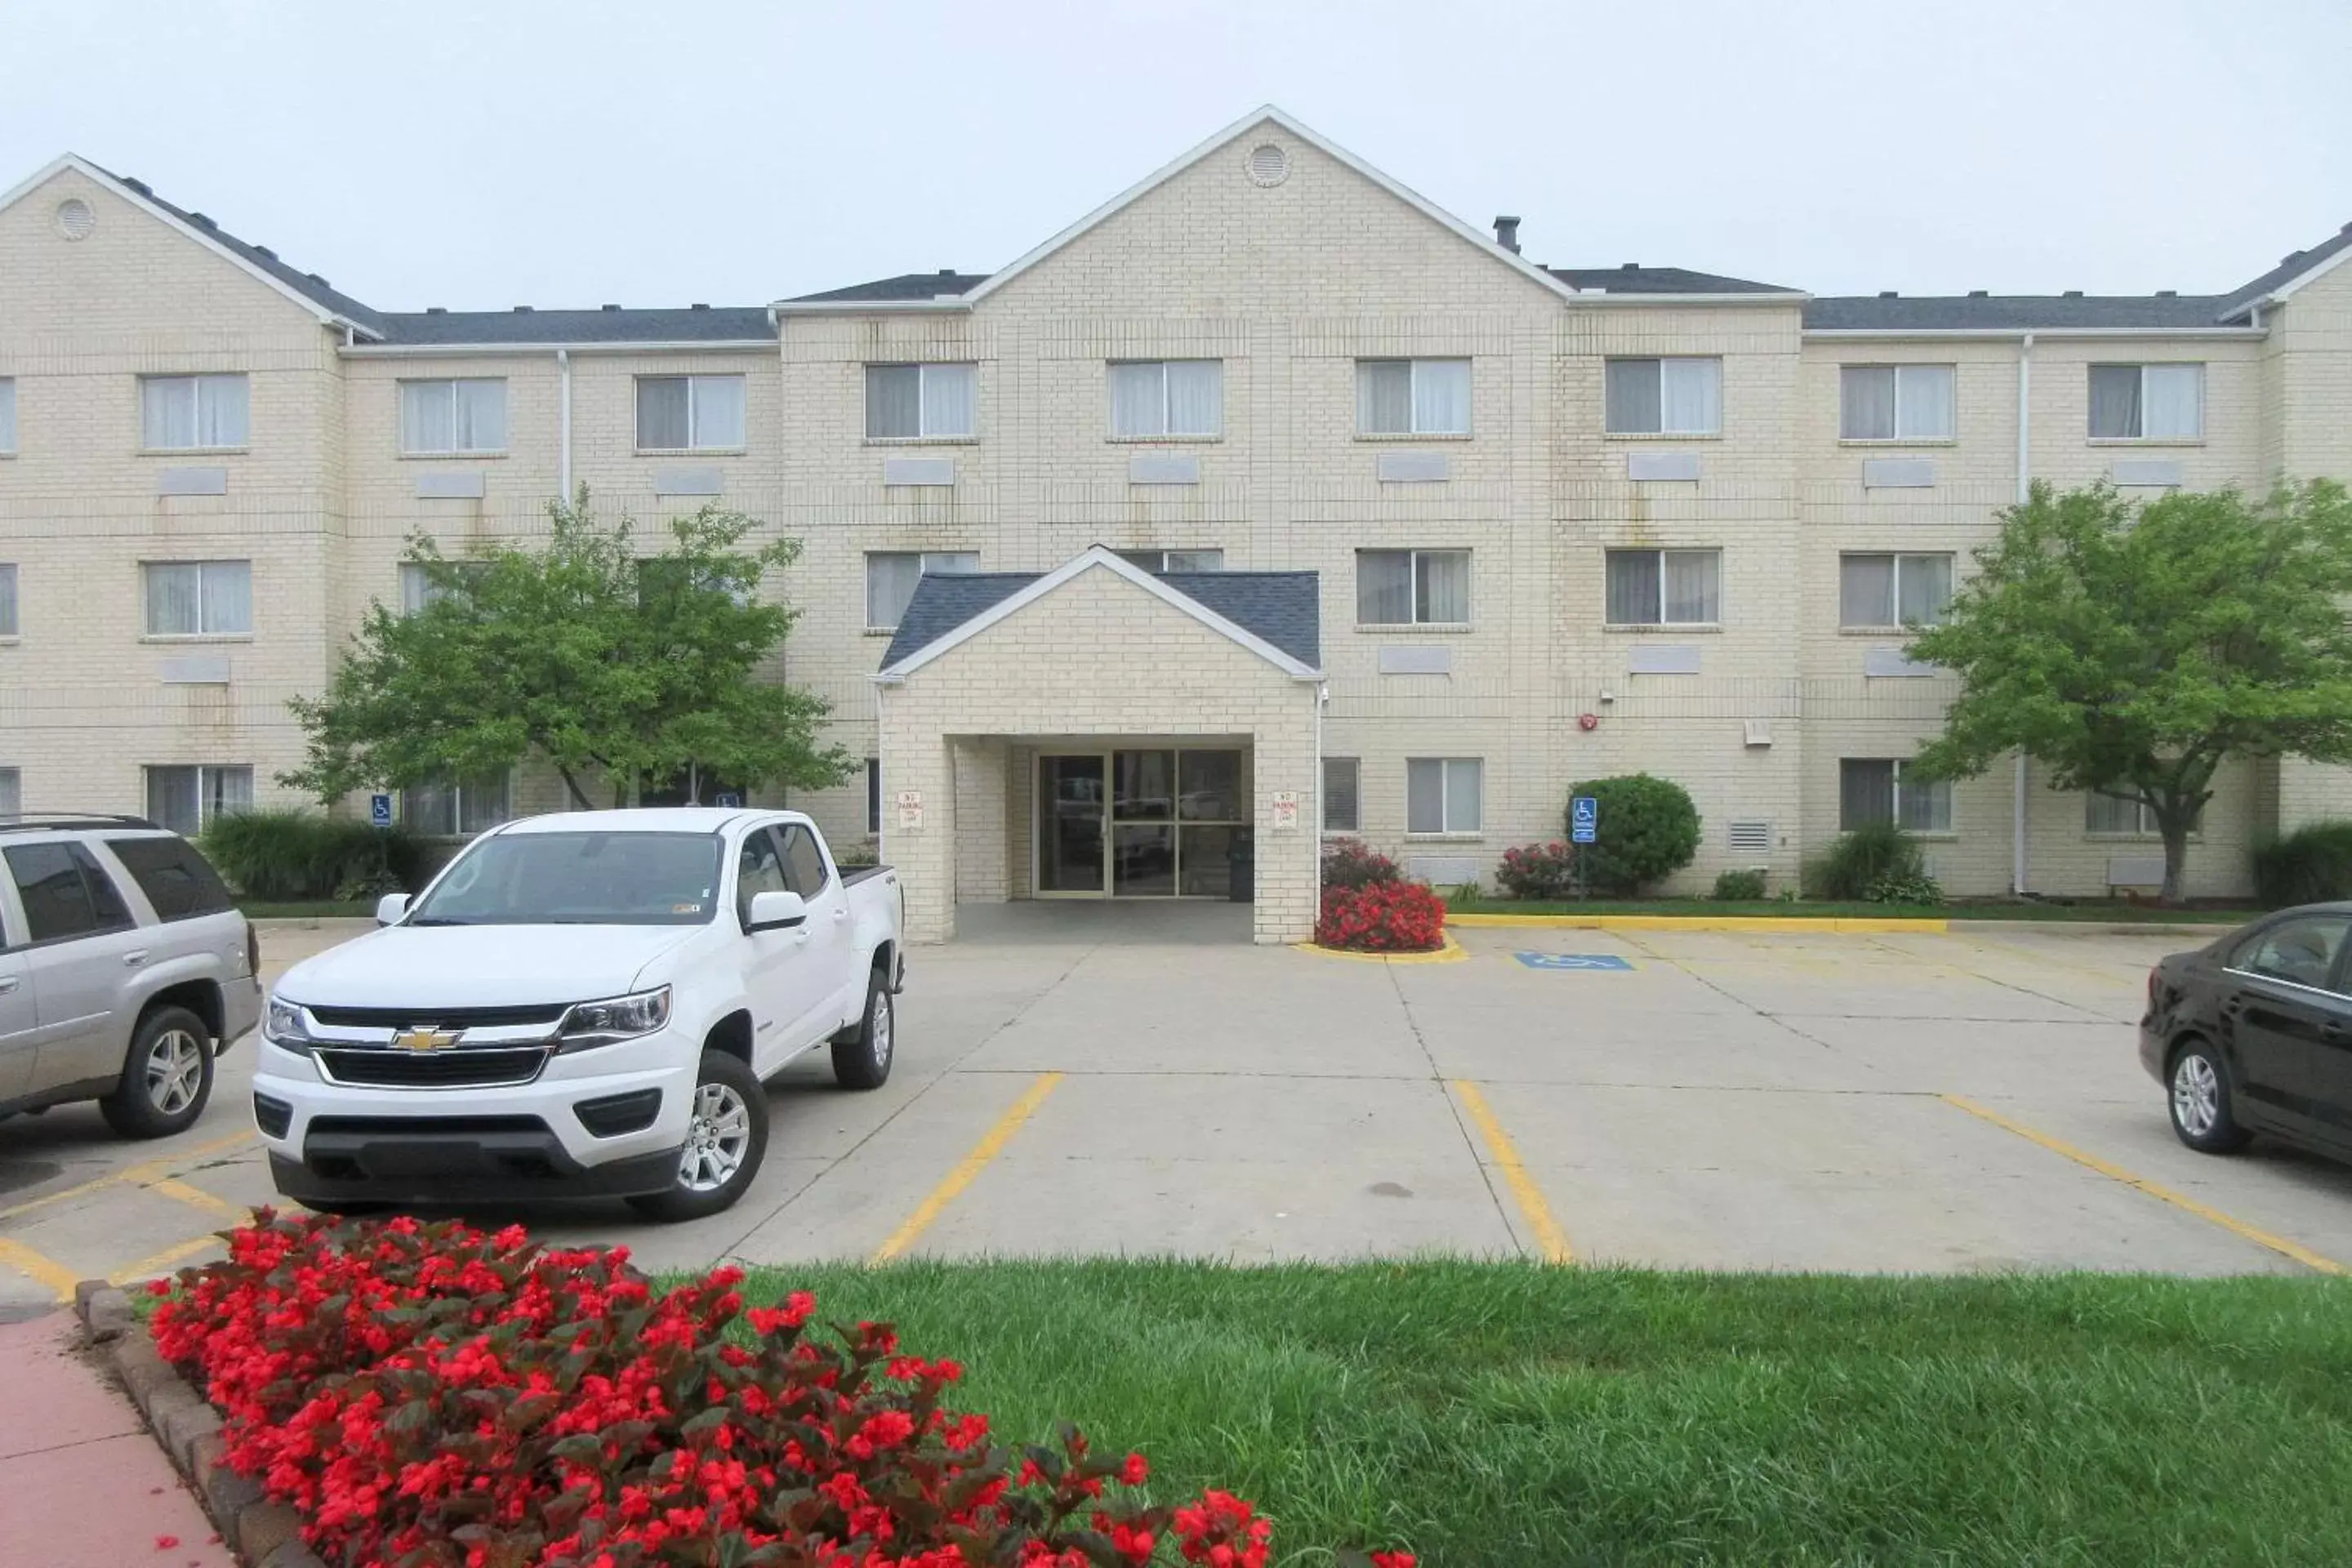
x=2234, y=304
x=726, y=323
x=1282, y=607
x=904, y=286
x=2008, y=312
x=1635, y=278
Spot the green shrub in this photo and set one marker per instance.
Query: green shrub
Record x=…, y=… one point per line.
x=1352, y=863
x=1739, y=887
x=1649, y=830
x=1916, y=887
x=1859, y=861
x=285, y=855
x=2312, y=864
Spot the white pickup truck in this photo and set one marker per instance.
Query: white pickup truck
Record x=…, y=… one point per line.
x=583, y=1004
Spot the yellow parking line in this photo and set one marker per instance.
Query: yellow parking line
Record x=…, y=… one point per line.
x=39, y=1267
x=2107, y=1168
x=1550, y=1240
x=173, y=1187
x=149, y=1267
x=970, y=1166
x=143, y=1173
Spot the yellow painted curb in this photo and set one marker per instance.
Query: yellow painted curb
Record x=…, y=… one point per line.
x=1855, y=926
x=1452, y=953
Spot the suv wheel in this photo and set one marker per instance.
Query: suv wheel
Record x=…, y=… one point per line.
x=726, y=1139
x=2200, y=1101
x=167, y=1077
x=861, y=1058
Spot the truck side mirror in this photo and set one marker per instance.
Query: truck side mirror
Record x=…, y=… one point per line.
x=390, y=907
x=775, y=911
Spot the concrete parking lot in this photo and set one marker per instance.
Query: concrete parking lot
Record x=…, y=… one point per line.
x=1117, y=1081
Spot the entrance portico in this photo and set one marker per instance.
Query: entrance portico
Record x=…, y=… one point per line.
x=1100, y=731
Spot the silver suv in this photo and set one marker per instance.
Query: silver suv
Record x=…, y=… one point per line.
x=125, y=970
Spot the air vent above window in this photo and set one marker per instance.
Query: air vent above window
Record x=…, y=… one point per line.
x=1752, y=837
x=1268, y=165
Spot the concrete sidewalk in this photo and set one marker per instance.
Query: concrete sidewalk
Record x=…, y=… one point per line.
x=83, y=1483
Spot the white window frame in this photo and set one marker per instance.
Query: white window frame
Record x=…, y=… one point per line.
x=2144, y=366
x=1893, y=586
x=1902, y=372
x=8, y=415
x=207, y=777
x=146, y=599
x=1449, y=827
x=925, y=557
x=1418, y=558
x=1167, y=431
x=2143, y=816
x=1901, y=766
x=1134, y=558
x=694, y=384
x=1355, y=766
x=1413, y=394
x=458, y=790
x=1715, y=550
x=408, y=447
x=924, y=370
x=197, y=383
x=1661, y=362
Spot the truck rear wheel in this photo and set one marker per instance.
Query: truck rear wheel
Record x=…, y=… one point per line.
x=166, y=1078
x=861, y=1058
x=726, y=1139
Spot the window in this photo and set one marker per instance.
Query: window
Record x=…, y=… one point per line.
x=199, y=598
x=417, y=588
x=7, y=417
x=2123, y=814
x=449, y=416
x=1895, y=403
x=1665, y=587
x=689, y=412
x=12, y=793
x=911, y=402
x=454, y=809
x=758, y=869
x=1412, y=397
x=2300, y=951
x=1413, y=588
x=803, y=862
x=179, y=882
x=891, y=576
x=1441, y=794
x=64, y=891
x=1171, y=397
x=187, y=800
x=1664, y=397
x=1156, y=561
x=1340, y=813
x=1874, y=792
x=1894, y=590
x=7, y=601
x=192, y=413
x=873, y=794
x=2148, y=402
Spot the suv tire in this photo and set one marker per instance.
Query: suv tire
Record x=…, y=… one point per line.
x=726, y=1139
x=2197, y=1090
x=167, y=1079
x=861, y=1058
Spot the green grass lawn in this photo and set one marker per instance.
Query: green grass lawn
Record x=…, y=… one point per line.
x=1513, y=1417
x=1810, y=909
x=308, y=909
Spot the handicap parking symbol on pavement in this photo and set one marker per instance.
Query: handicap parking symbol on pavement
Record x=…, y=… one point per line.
x=1573, y=961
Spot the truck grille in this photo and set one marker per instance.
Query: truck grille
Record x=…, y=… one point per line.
x=440, y=1017
x=485, y=1068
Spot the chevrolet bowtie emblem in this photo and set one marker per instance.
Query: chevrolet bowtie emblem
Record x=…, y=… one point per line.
x=424, y=1038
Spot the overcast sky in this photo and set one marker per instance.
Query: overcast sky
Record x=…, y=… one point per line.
x=489, y=155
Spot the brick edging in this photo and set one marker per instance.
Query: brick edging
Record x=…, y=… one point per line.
x=264, y=1534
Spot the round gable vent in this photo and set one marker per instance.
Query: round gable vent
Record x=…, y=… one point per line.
x=75, y=220
x=1268, y=165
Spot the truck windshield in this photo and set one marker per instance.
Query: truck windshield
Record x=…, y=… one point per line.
x=578, y=879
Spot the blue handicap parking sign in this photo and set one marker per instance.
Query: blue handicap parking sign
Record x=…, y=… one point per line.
x=1583, y=820
x=380, y=811
x=729, y=799
x=1573, y=961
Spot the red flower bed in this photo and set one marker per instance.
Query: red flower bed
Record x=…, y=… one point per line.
x=1382, y=917
x=426, y=1396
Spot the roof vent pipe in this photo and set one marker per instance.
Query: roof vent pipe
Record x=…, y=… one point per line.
x=1506, y=233
x=1979, y=293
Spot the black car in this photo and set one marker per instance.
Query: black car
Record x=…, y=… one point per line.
x=2253, y=1034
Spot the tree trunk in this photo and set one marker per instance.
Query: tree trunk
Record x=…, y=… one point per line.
x=572, y=786
x=2176, y=856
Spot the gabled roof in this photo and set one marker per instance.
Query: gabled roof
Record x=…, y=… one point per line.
x=307, y=289
x=2291, y=273
x=1633, y=277
x=612, y=324
x=904, y=286
x=1275, y=614
x=2010, y=312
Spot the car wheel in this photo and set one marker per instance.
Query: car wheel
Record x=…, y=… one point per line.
x=861, y=1059
x=726, y=1139
x=166, y=1078
x=2200, y=1101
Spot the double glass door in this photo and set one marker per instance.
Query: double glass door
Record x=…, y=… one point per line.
x=1148, y=823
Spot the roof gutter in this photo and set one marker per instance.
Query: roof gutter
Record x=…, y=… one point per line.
x=429, y=351
x=2011, y=334
x=1746, y=297
x=868, y=307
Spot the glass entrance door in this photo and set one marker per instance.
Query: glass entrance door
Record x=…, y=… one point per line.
x=1153, y=822
x=1070, y=799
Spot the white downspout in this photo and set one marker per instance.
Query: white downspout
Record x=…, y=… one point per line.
x=1315, y=839
x=2024, y=492
x=563, y=424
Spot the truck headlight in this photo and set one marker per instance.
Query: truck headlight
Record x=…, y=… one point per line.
x=283, y=1027
x=616, y=1018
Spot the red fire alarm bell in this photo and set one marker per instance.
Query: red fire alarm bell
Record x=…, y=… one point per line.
x=1588, y=720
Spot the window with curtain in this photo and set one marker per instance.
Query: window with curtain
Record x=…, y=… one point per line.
x=1894, y=590
x=7, y=601
x=1664, y=587
x=7, y=415
x=1157, y=561
x=453, y=416
x=1168, y=397
x=688, y=412
x=1895, y=403
x=1341, y=812
x=455, y=808
x=2148, y=402
x=1412, y=397
x=1413, y=588
x=417, y=588
x=192, y=413
x=198, y=598
x=1441, y=795
x=1875, y=792
x=188, y=799
x=891, y=576
x=1664, y=397
x=2122, y=815
x=919, y=402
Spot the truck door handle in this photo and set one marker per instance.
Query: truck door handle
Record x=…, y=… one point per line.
x=842, y=914
x=135, y=957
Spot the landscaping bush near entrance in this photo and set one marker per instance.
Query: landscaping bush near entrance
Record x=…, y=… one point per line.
x=2310, y=866
x=1352, y=863
x=1649, y=830
x=429, y=1395
x=1382, y=917
x=289, y=854
x=1871, y=863
x=1739, y=887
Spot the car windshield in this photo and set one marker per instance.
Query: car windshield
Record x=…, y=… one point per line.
x=578, y=879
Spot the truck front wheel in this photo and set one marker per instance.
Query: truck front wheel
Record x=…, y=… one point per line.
x=726, y=1139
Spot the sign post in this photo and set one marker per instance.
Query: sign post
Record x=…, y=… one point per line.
x=1583, y=828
